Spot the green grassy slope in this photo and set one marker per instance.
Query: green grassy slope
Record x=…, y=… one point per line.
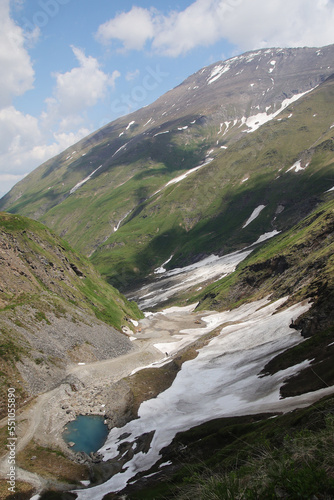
x=206, y=211
x=55, y=309
x=52, y=266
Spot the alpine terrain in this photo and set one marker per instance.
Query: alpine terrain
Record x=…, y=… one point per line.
x=212, y=209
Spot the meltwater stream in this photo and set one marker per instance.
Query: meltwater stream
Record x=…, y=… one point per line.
x=222, y=381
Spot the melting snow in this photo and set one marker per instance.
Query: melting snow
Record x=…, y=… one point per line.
x=217, y=72
x=130, y=125
x=120, y=149
x=81, y=183
x=297, y=166
x=180, y=279
x=222, y=381
x=161, y=269
x=267, y=236
x=191, y=171
x=255, y=121
x=160, y=133
x=116, y=228
x=273, y=63
x=255, y=214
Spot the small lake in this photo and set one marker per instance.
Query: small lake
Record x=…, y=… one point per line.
x=88, y=432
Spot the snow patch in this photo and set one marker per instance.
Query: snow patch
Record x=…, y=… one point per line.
x=297, y=166
x=116, y=228
x=222, y=381
x=130, y=125
x=81, y=183
x=255, y=121
x=160, y=133
x=266, y=236
x=217, y=72
x=120, y=149
x=161, y=269
x=254, y=215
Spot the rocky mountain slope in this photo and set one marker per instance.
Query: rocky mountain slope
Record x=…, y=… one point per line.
x=55, y=309
x=181, y=176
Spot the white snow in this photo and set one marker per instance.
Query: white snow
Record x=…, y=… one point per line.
x=245, y=180
x=273, y=63
x=120, y=149
x=329, y=190
x=222, y=381
x=148, y=122
x=130, y=125
x=81, y=183
x=116, y=228
x=266, y=236
x=217, y=72
x=183, y=128
x=134, y=322
x=189, y=172
x=180, y=279
x=297, y=166
x=254, y=214
x=255, y=121
x=161, y=269
x=160, y=133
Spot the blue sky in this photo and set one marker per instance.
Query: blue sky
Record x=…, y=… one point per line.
x=70, y=66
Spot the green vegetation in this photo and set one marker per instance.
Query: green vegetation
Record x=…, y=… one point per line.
x=53, y=267
x=202, y=214
x=250, y=458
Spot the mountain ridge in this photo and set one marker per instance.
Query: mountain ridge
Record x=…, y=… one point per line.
x=103, y=184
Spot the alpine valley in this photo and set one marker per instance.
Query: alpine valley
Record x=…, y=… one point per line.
x=212, y=209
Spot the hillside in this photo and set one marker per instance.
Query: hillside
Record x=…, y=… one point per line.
x=181, y=176
x=55, y=309
x=217, y=199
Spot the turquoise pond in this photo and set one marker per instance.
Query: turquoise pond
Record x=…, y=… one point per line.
x=88, y=432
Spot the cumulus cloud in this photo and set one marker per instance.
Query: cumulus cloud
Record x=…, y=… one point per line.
x=248, y=24
x=132, y=28
x=17, y=73
x=23, y=145
x=82, y=87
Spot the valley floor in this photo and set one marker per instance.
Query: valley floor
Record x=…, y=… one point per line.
x=85, y=389
x=161, y=337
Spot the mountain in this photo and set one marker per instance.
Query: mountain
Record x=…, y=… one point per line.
x=55, y=309
x=180, y=178
x=218, y=196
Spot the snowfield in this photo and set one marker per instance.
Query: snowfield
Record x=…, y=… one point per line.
x=222, y=381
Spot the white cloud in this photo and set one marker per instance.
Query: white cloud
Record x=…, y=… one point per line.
x=23, y=146
x=248, y=24
x=82, y=87
x=17, y=73
x=132, y=28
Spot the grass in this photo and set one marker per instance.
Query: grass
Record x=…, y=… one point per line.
x=202, y=214
x=250, y=458
x=51, y=464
